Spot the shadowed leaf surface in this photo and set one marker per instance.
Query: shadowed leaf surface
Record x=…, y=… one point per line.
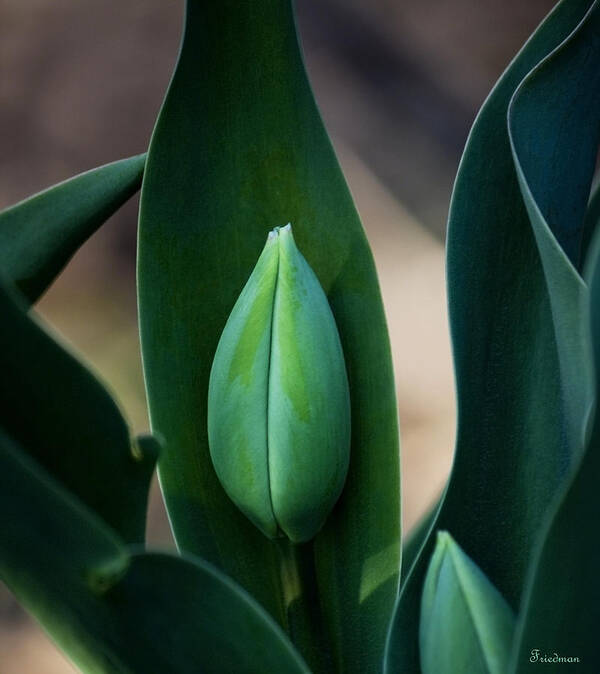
x=561, y=611
x=415, y=539
x=239, y=148
x=517, y=311
x=51, y=404
x=116, y=610
x=592, y=218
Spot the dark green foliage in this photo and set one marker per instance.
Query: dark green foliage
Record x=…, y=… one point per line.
x=119, y=610
x=561, y=610
x=517, y=311
x=415, y=538
x=239, y=148
x=592, y=218
x=73, y=491
x=39, y=235
x=51, y=404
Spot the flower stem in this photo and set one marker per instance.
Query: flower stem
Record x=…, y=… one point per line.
x=304, y=617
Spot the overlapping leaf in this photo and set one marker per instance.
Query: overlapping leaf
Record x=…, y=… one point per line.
x=51, y=404
x=416, y=537
x=516, y=311
x=238, y=149
x=49, y=401
x=71, y=489
x=115, y=610
x=39, y=235
x=592, y=218
x=561, y=609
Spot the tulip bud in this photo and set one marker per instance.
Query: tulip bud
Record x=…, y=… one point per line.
x=466, y=625
x=278, y=398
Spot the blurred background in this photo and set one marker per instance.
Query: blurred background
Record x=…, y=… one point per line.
x=398, y=83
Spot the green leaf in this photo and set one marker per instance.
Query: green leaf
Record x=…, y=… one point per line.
x=52, y=405
x=116, y=610
x=415, y=538
x=555, y=155
x=516, y=311
x=239, y=148
x=39, y=235
x=561, y=609
x=466, y=625
x=592, y=218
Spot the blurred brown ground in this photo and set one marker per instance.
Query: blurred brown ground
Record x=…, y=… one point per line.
x=398, y=85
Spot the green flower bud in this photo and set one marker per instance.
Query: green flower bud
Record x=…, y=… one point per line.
x=466, y=625
x=278, y=399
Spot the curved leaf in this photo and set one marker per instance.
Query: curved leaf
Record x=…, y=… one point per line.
x=561, y=610
x=592, y=218
x=416, y=538
x=516, y=313
x=117, y=611
x=555, y=155
x=39, y=235
x=51, y=404
x=239, y=148
x=466, y=625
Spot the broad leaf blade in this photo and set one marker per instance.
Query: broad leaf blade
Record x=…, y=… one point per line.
x=592, y=218
x=51, y=404
x=117, y=611
x=465, y=624
x=555, y=155
x=561, y=610
x=238, y=149
x=517, y=344
x=39, y=235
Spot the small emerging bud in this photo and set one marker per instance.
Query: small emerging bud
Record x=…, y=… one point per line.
x=278, y=399
x=466, y=625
